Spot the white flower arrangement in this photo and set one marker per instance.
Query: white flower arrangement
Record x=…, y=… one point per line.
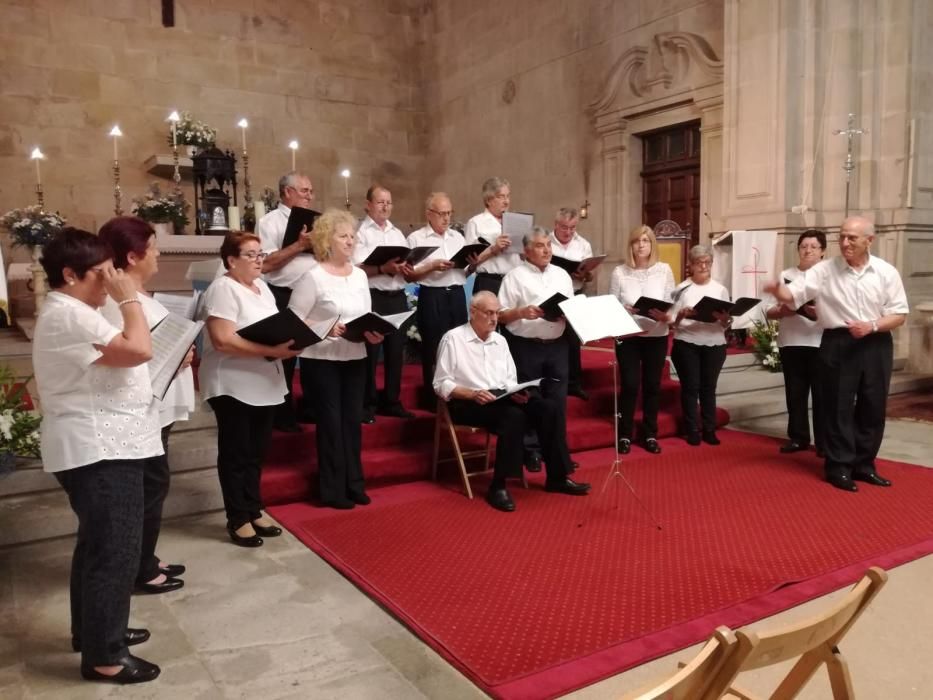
x=192, y=132
x=19, y=424
x=156, y=208
x=764, y=341
x=411, y=294
x=31, y=226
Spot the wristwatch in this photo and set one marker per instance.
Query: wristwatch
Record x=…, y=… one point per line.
x=874, y=326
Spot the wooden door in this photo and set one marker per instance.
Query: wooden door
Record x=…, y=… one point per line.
x=671, y=177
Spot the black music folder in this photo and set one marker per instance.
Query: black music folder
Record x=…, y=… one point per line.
x=572, y=266
x=279, y=327
x=387, y=253
x=460, y=258
x=704, y=309
x=375, y=324
x=551, y=307
x=644, y=305
x=801, y=311
x=298, y=219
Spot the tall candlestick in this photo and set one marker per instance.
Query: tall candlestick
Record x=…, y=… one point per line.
x=174, y=118
x=37, y=155
x=115, y=133
x=117, y=194
x=345, y=174
x=294, y=146
x=243, y=124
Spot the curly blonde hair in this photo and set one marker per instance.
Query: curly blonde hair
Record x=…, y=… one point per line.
x=325, y=226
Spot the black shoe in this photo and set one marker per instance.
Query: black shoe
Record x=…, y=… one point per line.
x=576, y=390
x=693, y=439
x=168, y=585
x=267, y=531
x=710, y=438
x=172, y=569
x=369, y=417
x=793, y=446
x=241, y=541
x=339, y=504
x=500, y=500
x=135, y=670
x=395, y=411
x=652, y=446
x=360, y=499
x=625, y=446
x=567, y=486
x=287, y=427
x=131, y=638
x=533, y=463
x=871, y=478
x=841, y=481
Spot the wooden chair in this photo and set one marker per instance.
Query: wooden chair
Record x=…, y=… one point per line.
x=444, y=423
x=693, y=680
x=815, y=641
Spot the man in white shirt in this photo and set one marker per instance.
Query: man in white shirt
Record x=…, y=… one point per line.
x=473, y=365
x=283, y=267
x=441, y=300
x=860, y=299
x=567, y=243
x=493, y=262
x=387, y=289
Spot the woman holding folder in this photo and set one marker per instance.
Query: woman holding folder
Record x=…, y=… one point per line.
x=241, y=385
x=641, y=358
x=333, y=372
x=133, y=242
x=699, y=349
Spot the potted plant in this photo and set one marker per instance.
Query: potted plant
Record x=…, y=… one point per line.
x=193, y=133
x=764, y=341
x=19, y=423
x=167, y=214
x=31, y=227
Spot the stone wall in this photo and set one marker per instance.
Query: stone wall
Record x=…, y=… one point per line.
x=340, y=77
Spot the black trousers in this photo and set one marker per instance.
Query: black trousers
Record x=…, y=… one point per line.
x=641, y=362
x=548, y=359
x=508, y=421
x=107, y=497
x=156, y=479
x=801, y=368
x=285, y=412
x=243, y=433
x=393, y=352
x=487, y=282
x=337, y=398
x=698, y=367
x=439, y=310
x=855, y=378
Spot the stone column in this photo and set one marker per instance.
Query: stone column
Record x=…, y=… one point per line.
x=612, y=129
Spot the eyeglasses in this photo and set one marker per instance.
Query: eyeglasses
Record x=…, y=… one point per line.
x=253, y=256
x=442, y=214
x=306, y=191
x=703, y=262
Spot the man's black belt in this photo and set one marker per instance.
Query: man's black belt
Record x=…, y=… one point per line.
x=449, y=288
x=540, y=341
x=491, y=275
x=387, y=292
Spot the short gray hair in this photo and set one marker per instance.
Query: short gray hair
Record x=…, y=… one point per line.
x=289, y=179
x=701, y=250
x=536, y=232
x=493, y=185
x=566, y=213
x=434, y=195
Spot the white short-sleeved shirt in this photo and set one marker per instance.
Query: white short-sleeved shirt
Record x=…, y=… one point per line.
x=90, y=412
x=253, y=380
x=320, y=296
x=463, y=359
x=629, y=284
x=178, y=401
x=447, y=246
x=488, y=227
x=797, y=330
x=271, y=230
x=577, y=248
x=698, y=332
x=527, y=284
x=368, y=237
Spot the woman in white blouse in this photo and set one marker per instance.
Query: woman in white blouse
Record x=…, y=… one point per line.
x=99, y=426
x=333, y=372
x=799, y=342
x=133, y=242
x=240, y=384
x=641, y=358
x=699, y=349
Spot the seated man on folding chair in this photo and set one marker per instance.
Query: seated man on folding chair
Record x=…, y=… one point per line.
x=473, y=367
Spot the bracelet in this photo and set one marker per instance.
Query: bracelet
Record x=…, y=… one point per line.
x=134, y=300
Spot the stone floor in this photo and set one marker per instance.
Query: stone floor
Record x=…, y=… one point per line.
x=278, y=622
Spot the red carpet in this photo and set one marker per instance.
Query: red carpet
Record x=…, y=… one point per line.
x=566, y=591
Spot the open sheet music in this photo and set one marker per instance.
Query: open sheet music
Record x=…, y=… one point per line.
x=172, y=337
x=593, y=318
x=516, y=225
x=375, y=323
x=514, y=388
x=179, y=304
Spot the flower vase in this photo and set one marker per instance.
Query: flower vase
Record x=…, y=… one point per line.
x=40, y=283
x=164, y=228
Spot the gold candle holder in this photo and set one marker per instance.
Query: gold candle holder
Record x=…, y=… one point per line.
x=248, y=193
x=117, y=193
x=40, y=197
x=176, y=178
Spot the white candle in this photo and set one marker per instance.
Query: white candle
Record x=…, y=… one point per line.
x=174, y=119
x=233, y=218
x=115, y=133
x=38, y=173
x=345, y=174
x=294, y=146
x=243, y=124
x=37, y=156
x=259, y=210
